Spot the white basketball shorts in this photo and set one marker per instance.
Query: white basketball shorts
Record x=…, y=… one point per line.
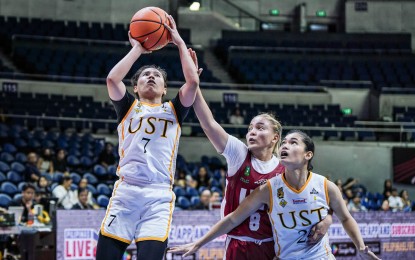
x=138, y=213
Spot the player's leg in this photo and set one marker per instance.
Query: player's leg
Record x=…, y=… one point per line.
x=109, y=248
x=151, y=249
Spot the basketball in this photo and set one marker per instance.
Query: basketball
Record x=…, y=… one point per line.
x=149, y=23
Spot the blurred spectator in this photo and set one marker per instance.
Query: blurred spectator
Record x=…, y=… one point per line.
x=27, y=200
x=355, y=205
x=222, y=180
x=407, y=203
x=83, y=199
x=107, y=157
x=348, y=194
x=202, y=178
x=387, y=188
x=180, y=180
x=45, y=163
x=59, y=163
x=43, y=186
x=83, y=184
x=32, y=173
x=395, y=202
x=385, y=205
x=190, y=182
x=66, y=197
x=236, y=118
x=215, y=197
x=353, y=183
x=339, y=184
x=204, y=200
x=215, y=200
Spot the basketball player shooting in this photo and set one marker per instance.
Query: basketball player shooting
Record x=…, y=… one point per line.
x=142, y=203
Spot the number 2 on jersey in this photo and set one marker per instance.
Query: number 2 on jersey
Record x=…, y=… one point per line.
x=254, y=218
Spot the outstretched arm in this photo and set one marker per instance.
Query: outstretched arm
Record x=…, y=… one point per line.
x=348, y=222
x=319, y=230
x=216, y=134
x=116, y=88
x=187, y=92
x=249, y=205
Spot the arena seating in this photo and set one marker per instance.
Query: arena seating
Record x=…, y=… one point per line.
x=80, y=53
x=79, y=145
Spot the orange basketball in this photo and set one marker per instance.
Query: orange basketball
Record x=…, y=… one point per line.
x=149, y=23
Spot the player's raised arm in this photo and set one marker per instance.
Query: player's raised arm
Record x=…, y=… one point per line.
x=249, y=205
x=348, y=222
x=188, y=90
x=216, y=134
x=116, y=88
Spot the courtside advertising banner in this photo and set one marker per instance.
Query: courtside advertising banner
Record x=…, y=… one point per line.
x=389, y=235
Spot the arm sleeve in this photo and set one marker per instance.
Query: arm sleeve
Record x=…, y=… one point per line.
x=122, y=106
x=235, y=153
x=181, y=111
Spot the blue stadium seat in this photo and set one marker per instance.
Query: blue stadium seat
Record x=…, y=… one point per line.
x=5, y=200
x=21, y=185
x=53, y=186
x=191, y=192
x=103, y=201
x=76, y=178
x=2, y=177
x=8, y=188
x=21, y=157
x=20, y=143
x=92, y=189
x=6, y=157
x=183, y=202
x=91, y=178
x=57, y=177
x=214, y=183
x=4, y=167
x=103, y=189
x=72, y=161
x=17, y=197
x=9, y=148
x=366, y=136
x=179, y=191
x=86, y=162
x=195, y=200
x=100, y=171
x=17, y=167
x=74, y=186
x=112, y=170
x=14, y=177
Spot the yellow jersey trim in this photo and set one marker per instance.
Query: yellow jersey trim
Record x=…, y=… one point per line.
x=162, y=239
x=292, y=188
x=326, y=190
x=271, y=201
x=102, y=230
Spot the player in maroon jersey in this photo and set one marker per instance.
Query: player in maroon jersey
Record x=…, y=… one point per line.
x=249, y=166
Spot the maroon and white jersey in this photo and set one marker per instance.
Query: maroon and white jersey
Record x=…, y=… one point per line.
x=241, y=184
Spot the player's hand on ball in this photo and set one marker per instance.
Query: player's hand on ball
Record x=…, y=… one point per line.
x=137, y=44
x=175, y=36
x=186, y=250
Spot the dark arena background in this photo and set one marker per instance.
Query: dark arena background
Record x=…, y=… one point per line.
x=343, y=71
